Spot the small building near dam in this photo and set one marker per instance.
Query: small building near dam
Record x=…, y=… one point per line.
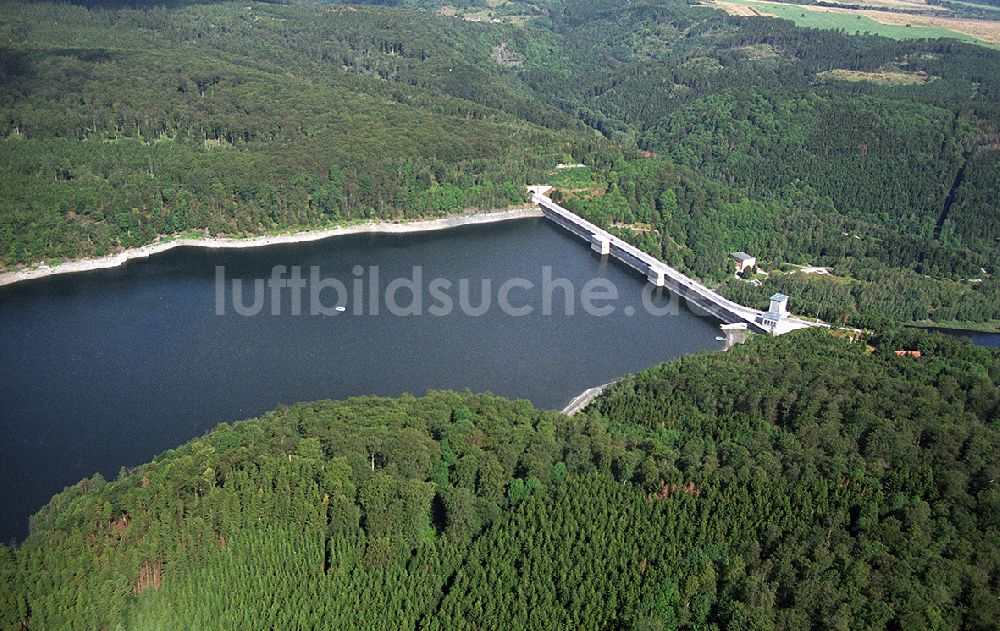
x=743, y=261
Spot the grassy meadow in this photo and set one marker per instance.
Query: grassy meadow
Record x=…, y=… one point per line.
x=822, y=18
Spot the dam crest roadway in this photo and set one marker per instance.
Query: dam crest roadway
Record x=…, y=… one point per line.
x=662, y=275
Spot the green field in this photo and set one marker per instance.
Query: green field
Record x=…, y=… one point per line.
x=975, y=5
x=855, y=24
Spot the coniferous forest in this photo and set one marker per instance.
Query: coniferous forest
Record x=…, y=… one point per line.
x=797, y=482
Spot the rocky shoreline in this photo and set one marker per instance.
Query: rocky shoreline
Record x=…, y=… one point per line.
x=115, y=260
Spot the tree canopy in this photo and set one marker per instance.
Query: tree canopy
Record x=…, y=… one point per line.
x=124, y=122
x=803, y=481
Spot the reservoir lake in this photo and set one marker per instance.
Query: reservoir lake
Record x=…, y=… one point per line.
x=107, y=368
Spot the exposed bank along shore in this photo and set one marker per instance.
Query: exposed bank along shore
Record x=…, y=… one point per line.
x=114, y=260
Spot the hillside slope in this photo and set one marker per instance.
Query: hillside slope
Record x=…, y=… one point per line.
x=794, y=482
x=121, y=125
x=873, y=157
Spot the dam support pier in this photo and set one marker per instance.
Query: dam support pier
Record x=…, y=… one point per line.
x=657, y=276
x=600, y=244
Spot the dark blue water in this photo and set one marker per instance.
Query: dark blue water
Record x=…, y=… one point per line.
x=979, y=338
x=107, y=368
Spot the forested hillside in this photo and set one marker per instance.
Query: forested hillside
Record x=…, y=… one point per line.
x=121, y=125
x=874, y=157
x=774, y=153
x=794, y=482
x=791, y=483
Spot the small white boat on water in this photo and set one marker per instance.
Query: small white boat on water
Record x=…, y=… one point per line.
x=720, y=338
x=341, y=309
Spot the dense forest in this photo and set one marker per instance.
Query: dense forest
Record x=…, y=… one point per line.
x=757, y=145
x=184, y=124
x=123, y=121
x=798, y=482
